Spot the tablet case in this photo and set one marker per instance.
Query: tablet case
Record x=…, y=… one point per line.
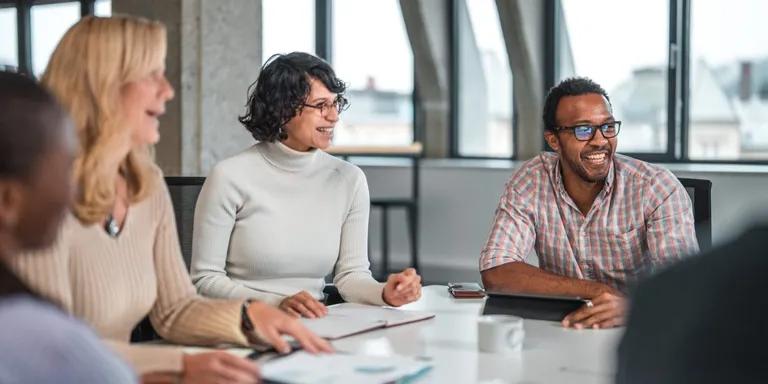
x=537, y=307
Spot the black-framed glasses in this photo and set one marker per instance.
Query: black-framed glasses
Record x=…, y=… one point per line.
x=340, y=103
x=585, y=132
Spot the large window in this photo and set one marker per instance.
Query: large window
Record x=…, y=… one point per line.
x=728, y=112
x=483, y=82
x=622, y=45
x=49, y=23
x=689, y=78
x=287, y=26
x=9, y=48
x=372, y=54
x=46, y=22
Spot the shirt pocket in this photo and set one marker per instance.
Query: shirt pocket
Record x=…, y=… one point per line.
x=621, y=253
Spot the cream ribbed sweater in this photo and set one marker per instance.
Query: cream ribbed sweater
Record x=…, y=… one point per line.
x=272, y=221
x=112, y=283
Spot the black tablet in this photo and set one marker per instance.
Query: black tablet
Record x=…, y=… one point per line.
x=538, y=307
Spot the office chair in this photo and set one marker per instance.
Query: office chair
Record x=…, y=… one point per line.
x=409, y=204
x=184, y=192
x=700, y=192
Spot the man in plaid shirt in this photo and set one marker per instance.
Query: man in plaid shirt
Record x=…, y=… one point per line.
x=597, y=220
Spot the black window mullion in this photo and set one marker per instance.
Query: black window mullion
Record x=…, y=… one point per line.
x=24, y=36
x=685, y=52
x=87, y=7
x=324, y=29
x=453, y=86
x=672, y=80
x=551, y=59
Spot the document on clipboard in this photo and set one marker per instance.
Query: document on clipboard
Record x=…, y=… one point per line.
x=348, y=319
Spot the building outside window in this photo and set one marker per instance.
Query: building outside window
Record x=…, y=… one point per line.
x=729, y=81
x=484, y=98
x=372, y=53
x=622, y=45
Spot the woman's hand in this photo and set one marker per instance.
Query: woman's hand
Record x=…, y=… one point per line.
x=218, y=367
x=402, y=288
x=269, y=323
x=303, y=304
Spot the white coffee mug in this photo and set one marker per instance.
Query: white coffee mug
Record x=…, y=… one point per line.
x=502, y=334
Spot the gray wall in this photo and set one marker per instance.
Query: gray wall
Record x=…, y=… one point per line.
x=459, y=199
x=214, y=54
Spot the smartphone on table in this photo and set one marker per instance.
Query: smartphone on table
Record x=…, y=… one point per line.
x=466, y=290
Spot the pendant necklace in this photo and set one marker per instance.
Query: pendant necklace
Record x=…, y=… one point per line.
x=111, y=226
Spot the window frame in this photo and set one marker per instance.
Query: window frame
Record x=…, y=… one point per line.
x=678, y=82
x=455, y=88
x=24, y=26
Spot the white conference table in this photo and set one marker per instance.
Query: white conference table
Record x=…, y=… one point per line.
x=551, y=354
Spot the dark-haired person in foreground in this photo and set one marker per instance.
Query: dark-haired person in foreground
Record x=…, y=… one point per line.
x=41, y=344
x=597, y=220
x=703, y=320
x=274, y=220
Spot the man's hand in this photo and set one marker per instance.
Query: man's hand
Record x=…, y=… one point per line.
x=607, y=311
x=269, y=323
x=303, y=304
x=402, y=288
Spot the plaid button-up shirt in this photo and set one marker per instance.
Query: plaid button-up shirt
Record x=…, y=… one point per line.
x=641, y=219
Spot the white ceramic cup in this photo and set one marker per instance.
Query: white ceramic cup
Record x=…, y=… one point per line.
x=502, y=334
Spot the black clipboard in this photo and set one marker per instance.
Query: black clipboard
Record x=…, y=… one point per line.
x=528, y=306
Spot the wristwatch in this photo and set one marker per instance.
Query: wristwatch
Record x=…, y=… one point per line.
x=245, y=320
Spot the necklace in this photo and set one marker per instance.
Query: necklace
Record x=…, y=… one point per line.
x=111, y=226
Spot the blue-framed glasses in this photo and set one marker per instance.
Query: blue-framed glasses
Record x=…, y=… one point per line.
x=585, y=132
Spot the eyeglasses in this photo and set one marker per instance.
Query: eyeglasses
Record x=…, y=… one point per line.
x=340, y=103
x=586, y=132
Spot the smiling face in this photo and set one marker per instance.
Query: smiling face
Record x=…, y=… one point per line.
x=589, y=160
x=143, y=102
x=313, y=127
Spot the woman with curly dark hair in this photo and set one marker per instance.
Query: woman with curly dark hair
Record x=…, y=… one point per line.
x=274, y=220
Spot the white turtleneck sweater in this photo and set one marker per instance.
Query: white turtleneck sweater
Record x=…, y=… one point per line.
x=271, y=222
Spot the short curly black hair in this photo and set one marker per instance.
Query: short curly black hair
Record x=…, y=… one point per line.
x=30, y=122
x=572, y=86
x=281, y=91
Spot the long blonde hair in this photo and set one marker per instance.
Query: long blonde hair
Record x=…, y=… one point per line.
x=92, y=62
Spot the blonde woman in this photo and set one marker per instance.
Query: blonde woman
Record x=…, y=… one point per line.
x=117, y=257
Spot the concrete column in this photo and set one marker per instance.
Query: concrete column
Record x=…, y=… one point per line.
x=214, y=54
x=426, y=22
x=522, y=24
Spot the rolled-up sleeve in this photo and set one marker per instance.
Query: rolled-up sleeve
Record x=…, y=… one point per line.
x=512, y=235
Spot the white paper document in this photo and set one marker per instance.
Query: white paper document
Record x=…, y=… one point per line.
x=349, y=318
x=304, y=368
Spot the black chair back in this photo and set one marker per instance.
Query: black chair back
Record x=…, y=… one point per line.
x=184, y=191
x=700, y=191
